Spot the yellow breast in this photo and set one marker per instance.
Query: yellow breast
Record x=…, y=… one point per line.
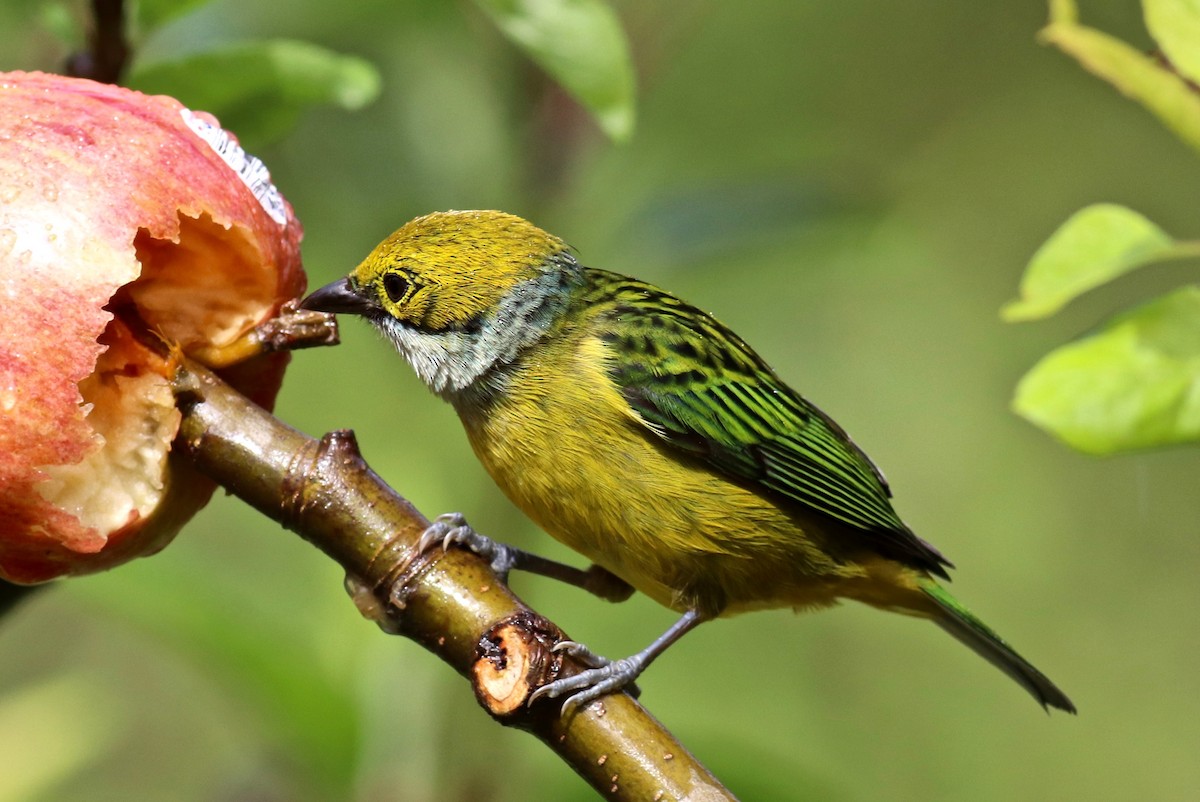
x=563, y=444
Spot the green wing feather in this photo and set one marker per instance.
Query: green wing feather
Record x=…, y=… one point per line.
x=698, y=387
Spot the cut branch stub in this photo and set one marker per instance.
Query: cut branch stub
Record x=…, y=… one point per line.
x=513, y=659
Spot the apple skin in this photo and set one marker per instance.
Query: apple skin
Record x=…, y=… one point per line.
x=119, y=217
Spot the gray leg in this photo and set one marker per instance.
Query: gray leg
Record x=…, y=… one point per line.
x=452, y=528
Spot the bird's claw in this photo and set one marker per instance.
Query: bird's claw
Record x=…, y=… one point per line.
x=452, y=528
x=602, y=676
x=445, y=528
x=581, y=653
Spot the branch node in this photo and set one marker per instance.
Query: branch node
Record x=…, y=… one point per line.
x=370, y=606
x=298, y=481
x=405, y=575
x=187, y=388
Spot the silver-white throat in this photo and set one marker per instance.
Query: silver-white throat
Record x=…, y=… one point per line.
x=452, y=361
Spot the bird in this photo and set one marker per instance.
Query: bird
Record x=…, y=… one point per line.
x=645, y=435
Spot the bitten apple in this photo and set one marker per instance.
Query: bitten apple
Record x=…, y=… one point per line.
x=125, y=219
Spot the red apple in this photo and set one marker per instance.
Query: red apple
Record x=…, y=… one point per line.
x=124, y=218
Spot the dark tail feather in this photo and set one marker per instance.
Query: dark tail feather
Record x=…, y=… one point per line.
x=959, y=622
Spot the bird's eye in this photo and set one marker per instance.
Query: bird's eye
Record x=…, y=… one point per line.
x=396, y=287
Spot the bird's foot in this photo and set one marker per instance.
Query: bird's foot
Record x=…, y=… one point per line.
x=603, y=676
x=452, y=528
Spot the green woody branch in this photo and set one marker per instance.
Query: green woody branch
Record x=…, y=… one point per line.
x=451, y=603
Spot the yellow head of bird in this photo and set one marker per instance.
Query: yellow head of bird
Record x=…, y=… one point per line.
x=456, y=292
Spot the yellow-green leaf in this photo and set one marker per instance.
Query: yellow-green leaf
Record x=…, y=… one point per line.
x=1096, y=244
x=1135, y=74
x=582, y=45
x=1133, y=385
x=1175, y=25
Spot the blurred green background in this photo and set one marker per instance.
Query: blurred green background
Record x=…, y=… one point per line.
x=855, y=188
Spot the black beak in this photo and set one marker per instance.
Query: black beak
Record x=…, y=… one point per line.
x=339, y=297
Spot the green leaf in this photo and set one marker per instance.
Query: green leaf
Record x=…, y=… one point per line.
x=259, y=89
x=1133, y=385
x=1135, y=74
x=1096, y=244
x=582, y=45
x=1175, y=25
x=150, y=14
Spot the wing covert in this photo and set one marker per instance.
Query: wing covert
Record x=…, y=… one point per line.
x=697, y=386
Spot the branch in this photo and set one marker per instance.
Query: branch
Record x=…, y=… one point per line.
x=451, y=603
x=108, y=55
